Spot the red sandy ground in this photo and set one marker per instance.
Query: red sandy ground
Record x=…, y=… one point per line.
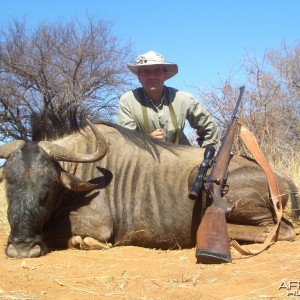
x=138, y=273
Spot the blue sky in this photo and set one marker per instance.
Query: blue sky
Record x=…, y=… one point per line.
x=207, y=39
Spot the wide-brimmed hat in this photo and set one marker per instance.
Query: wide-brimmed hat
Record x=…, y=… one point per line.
x=152, y=58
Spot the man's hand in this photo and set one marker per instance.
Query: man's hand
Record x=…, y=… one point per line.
x=157, y=134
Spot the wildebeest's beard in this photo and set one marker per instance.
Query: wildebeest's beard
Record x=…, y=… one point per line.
x=31, y=179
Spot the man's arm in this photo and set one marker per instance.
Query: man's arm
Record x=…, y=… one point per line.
x=201, y=120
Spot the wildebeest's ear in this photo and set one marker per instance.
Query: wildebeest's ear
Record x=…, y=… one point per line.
x=75, y=184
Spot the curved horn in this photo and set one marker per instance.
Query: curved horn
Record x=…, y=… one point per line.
x=7, y=149
x=63, y=154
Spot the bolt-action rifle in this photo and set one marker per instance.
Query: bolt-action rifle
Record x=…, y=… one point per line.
x=212, y=236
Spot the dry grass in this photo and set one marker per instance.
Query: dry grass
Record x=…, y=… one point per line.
x=290, y=165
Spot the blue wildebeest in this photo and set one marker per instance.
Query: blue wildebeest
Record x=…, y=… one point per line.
x=109, y=186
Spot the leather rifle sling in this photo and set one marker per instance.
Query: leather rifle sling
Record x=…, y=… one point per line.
x=251, y=143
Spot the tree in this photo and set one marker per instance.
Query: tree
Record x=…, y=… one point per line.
x=271, y=103
x=56, y=66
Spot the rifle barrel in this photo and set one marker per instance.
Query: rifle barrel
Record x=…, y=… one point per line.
x=242, y=88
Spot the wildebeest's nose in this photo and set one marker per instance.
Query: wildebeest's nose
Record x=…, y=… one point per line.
x=32, y=247
x=23, y=251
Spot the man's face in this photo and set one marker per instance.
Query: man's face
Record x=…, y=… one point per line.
x=152, y=77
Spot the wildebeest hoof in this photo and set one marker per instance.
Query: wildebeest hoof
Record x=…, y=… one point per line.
x=88, y=243
x=75, y=242
x=96, y=245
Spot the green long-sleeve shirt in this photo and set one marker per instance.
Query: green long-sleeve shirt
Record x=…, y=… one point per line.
x=137, y=112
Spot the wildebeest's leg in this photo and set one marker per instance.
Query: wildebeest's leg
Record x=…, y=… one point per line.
x=258, y=234
x=80, y=223
x=91, y=224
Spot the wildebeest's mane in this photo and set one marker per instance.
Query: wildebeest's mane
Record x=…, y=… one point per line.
x=49, y=125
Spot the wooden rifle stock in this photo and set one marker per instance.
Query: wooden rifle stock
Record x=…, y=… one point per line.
x=212, y=236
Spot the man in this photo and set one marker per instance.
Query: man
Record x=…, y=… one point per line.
x=161, y=111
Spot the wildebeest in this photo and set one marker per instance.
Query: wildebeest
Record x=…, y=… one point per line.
x=111, y=186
